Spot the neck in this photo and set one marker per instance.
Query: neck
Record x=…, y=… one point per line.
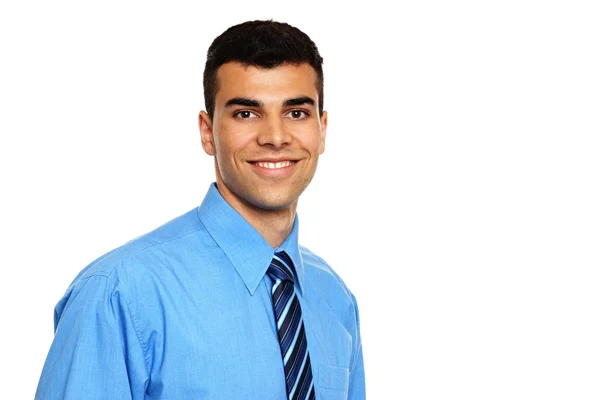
x=273, y=225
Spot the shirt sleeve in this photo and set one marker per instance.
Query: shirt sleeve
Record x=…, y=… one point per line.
x=96, y=352
x=356, y=389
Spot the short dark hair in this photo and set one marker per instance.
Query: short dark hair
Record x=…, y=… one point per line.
x=265, y=44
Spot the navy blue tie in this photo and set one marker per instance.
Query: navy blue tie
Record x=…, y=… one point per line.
x=292, y=338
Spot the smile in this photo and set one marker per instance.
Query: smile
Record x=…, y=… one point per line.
x=274, y=165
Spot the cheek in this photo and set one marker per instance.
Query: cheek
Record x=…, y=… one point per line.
x=313, y=143
x=308, y=135
x=230, y=142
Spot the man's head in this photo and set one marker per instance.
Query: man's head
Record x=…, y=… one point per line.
x=265, y=44
x=264, y=124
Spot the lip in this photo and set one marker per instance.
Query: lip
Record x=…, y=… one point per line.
x=274, y=172
x=272, y=160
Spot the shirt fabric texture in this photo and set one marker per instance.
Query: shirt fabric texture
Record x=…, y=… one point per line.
x=185, y=312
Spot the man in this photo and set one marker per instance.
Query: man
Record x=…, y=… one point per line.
x=222, y=302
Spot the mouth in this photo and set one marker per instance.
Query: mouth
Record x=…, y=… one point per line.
x=273, y=165
x=274, y=169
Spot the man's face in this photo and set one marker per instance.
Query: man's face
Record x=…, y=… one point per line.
x=266, y=134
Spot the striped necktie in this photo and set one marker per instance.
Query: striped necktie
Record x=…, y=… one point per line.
x=292, y=339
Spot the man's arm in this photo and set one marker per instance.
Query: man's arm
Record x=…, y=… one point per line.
x=356, y=390
x=96, y=352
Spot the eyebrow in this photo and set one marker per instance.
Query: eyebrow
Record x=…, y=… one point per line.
x=247, y=102
x=299, y=101
x=243, y=101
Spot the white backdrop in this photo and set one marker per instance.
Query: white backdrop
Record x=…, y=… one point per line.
x=458, y=195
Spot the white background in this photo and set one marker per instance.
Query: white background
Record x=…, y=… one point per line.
x=458, y=196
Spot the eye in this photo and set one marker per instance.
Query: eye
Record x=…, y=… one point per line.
x=298, y=114
x=244, y=114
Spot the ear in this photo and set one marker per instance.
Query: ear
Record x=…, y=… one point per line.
x=323, y=132
x=206, y=133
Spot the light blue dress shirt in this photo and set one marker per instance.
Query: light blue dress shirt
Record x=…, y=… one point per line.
x=185, y=312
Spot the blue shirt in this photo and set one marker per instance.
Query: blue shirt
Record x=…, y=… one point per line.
x=185, y=312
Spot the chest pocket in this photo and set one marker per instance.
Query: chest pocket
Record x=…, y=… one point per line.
x=332, y=383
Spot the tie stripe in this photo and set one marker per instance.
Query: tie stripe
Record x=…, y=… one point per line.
x=292, y=368
x=290, y=330
x=304, y=382
x=286, y=293
x=291, y=315
x=280, y=270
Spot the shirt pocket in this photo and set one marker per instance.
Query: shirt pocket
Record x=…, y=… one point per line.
x=332, y=383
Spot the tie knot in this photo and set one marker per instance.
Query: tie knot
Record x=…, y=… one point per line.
x=281, y=267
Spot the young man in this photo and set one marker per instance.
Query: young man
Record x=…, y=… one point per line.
x=222, y=302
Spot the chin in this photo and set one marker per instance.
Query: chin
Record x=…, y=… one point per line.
x=273, y=199
x=272, y=204
x=266, y=198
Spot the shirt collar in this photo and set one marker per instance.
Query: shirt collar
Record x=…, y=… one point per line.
x=245, y=247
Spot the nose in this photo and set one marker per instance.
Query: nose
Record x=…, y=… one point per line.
x=274, y=133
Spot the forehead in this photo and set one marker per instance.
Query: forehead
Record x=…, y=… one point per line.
x=265, y=84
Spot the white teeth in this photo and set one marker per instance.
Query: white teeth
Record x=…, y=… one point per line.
x=281, y=164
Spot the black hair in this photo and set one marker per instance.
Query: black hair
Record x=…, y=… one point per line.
x=265, y=44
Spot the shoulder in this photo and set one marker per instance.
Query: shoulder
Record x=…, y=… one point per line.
x=320, y=273
x=147, y=250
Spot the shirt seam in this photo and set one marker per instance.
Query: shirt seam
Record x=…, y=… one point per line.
x=357, y=327
x=131, y=315
x=72, y=297
x=122, y=260
x=136, y=330
x=353, y=368
x=332, y=388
